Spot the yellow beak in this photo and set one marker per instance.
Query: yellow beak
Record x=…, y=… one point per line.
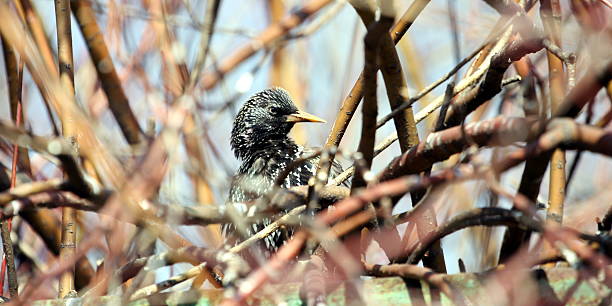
x=301, y=116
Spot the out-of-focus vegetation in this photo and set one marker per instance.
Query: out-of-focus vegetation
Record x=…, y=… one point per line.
x=114, y=146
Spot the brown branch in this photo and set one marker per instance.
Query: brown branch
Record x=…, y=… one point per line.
x=564, y=133
x=588, y=86
x=66, y=68
x=193, y=141
x=29, y=15
x=208, y=28
x=418, y=117
x=550, y=13
x=14, y=75
x=380, y=51
x=350, y=103
x=117, y=99
x=48, y=200
x=47, y=227
x=370, y=101
x=499, y=131
x=397, y=92
x=25, y=190
x=504, y=35
x=14, y=72
x=9, y=256
x=405, y=125
x=415, y=272
x=487, y=216
x=57, y=148
x=28, y=197
x=491, y=216
x=263, y=40
x=257, y=278
x=439, y=146
x=491, y=84
x=193, y=255
x=59, y=97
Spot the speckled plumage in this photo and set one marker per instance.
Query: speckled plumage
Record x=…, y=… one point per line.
x=260, y=140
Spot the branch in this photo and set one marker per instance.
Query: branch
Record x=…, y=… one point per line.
x=103, y=62
x=370, y=101
x=563, y=133
x=262, y=41
x=415, y=272
x=350, y=103
x=269, y=229
x=491, y=84
x=197, y=256
x=441, y=145
x=585, y=90
x=26, y=190
x=488, y=216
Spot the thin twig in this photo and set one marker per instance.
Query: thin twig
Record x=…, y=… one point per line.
x=268, y=36
x=266, y=231
x=117, y=99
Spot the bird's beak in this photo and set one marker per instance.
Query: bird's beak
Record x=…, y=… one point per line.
x=301, y=116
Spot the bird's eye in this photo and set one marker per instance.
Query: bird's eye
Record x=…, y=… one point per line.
x=275, y=110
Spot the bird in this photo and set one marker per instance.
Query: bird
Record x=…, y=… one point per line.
x=260, y=140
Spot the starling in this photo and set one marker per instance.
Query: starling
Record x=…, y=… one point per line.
x=260, y=140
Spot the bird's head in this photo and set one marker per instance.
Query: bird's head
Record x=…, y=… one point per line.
x=266, y=118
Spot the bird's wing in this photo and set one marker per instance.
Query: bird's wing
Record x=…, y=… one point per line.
x=250, y=182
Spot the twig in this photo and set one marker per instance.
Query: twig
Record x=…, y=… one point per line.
x=575, y=162
x=193, y=142
x=452, y=19
x=48, y=200
x=492, y=81
x=117, y=99
x=64, y=47
x=320, y=178
x=550, y=13
x=319, y=22
x=256, y=279
x=350, y=103
x=52, y=90
x=173, y=281
x=14, y=75
x=9, y=259
x=268, y=36
x=428, y=89
x=488, y=216
x=197, y=256
x=370, y=102
x=208, y=28
x=408, y=271
x=448, y=96
x=439, y=146
x=391, y=68
x=585, y=90
x=267, y=230
x=553, y=48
